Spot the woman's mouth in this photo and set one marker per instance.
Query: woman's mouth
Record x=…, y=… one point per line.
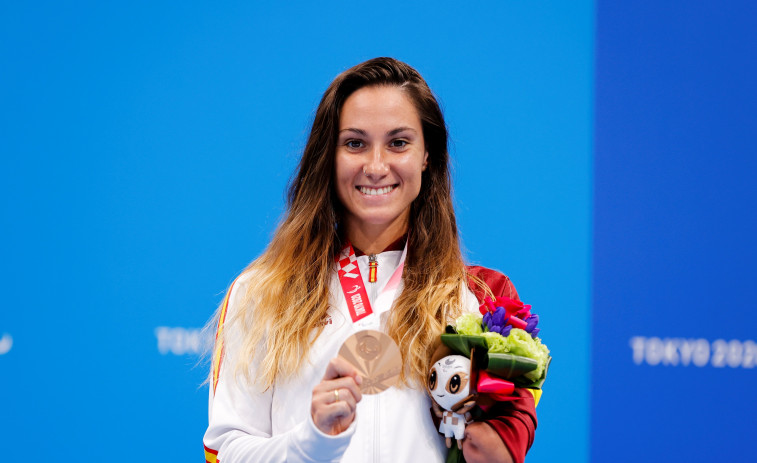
x=371, y=191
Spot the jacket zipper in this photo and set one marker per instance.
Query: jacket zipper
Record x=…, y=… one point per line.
x=372, y=279
x=377, y=428
x=372, y=276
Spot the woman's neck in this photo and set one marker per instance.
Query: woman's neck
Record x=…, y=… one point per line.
x=373, y=239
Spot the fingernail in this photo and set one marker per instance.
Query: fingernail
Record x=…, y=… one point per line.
x=359, y=380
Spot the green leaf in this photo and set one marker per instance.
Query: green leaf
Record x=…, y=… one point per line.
x=509, y=366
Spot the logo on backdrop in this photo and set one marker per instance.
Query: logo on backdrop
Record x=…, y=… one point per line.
x=182, y=341
x=673, y=352
x=6, y=342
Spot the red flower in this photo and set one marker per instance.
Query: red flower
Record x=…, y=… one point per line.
x=513, y=307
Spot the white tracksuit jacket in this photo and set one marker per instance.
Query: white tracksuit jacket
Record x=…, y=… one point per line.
x=275, y=426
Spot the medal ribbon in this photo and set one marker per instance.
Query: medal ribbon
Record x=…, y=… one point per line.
x=352, y=282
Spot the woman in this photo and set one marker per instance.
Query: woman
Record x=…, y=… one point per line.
x=372, y=188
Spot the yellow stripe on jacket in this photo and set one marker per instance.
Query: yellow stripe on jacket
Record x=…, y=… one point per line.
x=218, y=349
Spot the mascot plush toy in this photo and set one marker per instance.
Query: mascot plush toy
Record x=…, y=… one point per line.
x=449, y=386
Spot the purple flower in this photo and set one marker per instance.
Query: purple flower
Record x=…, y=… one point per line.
x=487, y=318
x=505, y=331
x=499, y=316
x=531, y=323
x=535, y=332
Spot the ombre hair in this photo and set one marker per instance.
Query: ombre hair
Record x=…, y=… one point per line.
x=288, y=298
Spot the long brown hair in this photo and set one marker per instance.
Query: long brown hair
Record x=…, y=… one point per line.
x=297, y=268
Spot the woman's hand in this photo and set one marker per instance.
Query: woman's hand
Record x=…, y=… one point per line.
x=335, y=398
x=483, y=444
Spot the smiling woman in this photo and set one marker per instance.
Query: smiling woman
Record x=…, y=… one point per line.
x=369, y=243
x=380, y=157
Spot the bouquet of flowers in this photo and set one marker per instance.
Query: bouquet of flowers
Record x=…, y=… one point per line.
x=481, y=361
x=505, y=341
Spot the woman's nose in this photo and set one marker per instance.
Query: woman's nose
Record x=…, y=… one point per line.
x=376, y=166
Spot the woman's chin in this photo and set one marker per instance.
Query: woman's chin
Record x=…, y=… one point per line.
x=380, y=220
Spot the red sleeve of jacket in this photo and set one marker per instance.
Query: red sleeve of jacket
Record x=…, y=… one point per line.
x=499, y=284
x=514, y=421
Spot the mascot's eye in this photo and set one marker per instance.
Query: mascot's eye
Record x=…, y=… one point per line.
x=454, y=384
x=432, y=380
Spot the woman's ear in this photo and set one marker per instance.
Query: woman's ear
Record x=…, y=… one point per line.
x=425, y=160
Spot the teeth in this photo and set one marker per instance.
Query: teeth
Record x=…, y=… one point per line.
x=375, y=191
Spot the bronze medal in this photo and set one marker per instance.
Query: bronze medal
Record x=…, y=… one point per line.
x=376, y=358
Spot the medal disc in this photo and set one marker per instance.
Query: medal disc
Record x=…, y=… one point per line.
x=376, y=358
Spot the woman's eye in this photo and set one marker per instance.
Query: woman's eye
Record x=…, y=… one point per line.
x=354, y=144
x=398, y=143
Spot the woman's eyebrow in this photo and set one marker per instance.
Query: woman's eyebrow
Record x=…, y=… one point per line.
x=390, y=133
x=357, y=131
x=401, y=129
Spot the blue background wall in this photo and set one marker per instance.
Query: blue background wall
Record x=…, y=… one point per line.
x=674, y=350
x=146, y=147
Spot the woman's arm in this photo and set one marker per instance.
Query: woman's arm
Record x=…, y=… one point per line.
x=513, y=423
x=505, y=434
x=240, y=426
x=240, y=431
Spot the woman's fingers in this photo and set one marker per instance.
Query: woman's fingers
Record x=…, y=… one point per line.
x=482, y=444
x=345, y=383
x=333, y=410
x=338, y=397
x=335, y=398
x=339, y=367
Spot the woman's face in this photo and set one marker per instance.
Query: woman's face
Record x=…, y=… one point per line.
x=380, y=157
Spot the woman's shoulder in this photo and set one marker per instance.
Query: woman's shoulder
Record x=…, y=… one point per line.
x=241, y=283
x=499, y=283
x=236, y=298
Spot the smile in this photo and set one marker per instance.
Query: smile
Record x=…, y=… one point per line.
x=376, y=191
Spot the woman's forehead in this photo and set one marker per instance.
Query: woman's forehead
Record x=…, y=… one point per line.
x=379, y=108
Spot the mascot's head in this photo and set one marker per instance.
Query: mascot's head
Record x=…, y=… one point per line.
x=448, y=380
